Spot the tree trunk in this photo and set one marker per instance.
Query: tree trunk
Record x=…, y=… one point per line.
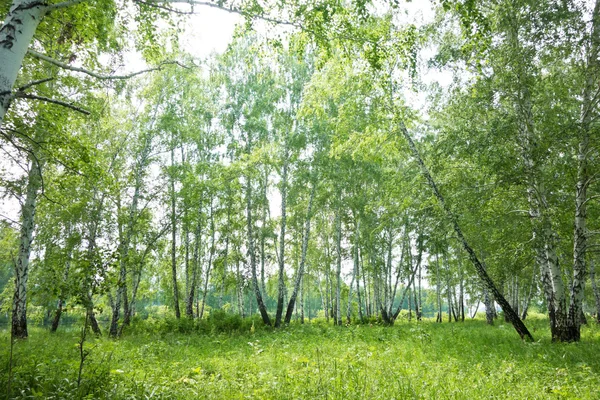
x=543, y=234
x=265, y=207
x=489, y=307
x=338, y=271
x=211, y=253
x=113, y=330
x=191, y=293
x=28, y=209
x=487, y=281
x=281, y=289
x=419, y=277
x=300, y=274
x=411, y=279
x=529, y=295
x=588, y=107
x=239, y=289
x=174, y=237
x=368, y=307
x=63, y=295
x=16, y=34
x=250, y=230
x=595, y=289
x=416, y=303
x=356, y=270
x=438, y=289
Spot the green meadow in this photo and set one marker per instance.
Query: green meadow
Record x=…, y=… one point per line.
x=163, y=359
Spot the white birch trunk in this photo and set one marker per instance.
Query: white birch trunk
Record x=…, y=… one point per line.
x=19, y=312
x=16, y=34
x=338, y=272
x=281, y=289
x=589, y=102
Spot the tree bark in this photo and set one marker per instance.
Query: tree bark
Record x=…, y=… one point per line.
x=16, y=34
x=28, y=210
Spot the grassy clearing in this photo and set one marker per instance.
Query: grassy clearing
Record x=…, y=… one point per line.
x=426, y=360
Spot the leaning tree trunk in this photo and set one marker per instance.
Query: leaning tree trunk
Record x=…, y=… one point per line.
x=527, y=301
x=487, y=281
x=411, y=279
x=300, y=274
x=19, y=312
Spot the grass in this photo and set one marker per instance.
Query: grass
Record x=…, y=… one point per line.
x=426, y=360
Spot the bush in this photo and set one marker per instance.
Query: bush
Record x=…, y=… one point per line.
x=217, y=322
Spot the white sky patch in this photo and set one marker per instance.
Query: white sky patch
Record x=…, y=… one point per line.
x=209, y=31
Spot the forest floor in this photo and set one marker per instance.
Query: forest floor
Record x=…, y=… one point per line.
x=467, y=360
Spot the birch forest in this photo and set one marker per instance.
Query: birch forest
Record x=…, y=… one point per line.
x=351, y=199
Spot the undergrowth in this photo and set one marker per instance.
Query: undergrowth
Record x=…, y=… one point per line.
x=226, y=358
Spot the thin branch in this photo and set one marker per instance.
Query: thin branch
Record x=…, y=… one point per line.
x=16, y=146
x=53, y=101
x=30, y=84
x=519, y=211
x=64, y=4
x=10, y=220
x=592, y=198
x=101, y=76
x=231, y=9
x=235, y=10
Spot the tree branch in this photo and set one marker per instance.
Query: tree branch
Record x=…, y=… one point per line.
x=10, y=220
x=231, y=9
x=97, y=75
x=64, y=4
x=31, y=84
x=235, y=10
x=53, y=101
x=591, y=198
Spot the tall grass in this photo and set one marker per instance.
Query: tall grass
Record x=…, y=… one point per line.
x=164, y=359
